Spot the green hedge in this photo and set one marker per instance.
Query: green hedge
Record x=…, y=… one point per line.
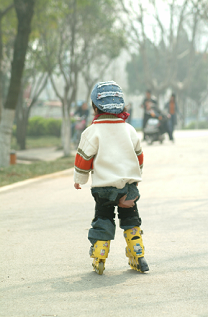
x=201, y=125
x=38, y=126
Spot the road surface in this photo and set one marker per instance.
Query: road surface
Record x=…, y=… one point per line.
x=45, y=266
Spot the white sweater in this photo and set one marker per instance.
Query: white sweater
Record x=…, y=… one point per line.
x=109, y=149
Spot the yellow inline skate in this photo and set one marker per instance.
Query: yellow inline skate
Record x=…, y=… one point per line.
x=135, y=249
x=99, y=252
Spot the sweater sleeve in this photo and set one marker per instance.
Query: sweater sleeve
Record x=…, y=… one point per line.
x=84, y=160
x=140, y=155
x=137, y=147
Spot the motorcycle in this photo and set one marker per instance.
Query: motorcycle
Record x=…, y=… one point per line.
x=156, y=127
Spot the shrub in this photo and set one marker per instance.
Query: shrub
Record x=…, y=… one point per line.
x=201, y=125
x=53, y=127
x=38, y=126
x=191, y=125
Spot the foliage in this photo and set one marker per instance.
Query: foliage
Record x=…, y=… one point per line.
x=38, y=126
x=53, y=127
x=168, y=55
x=199, y=80
x=156, y=57
x=73, y=35
x=136, y=71
x=195, y=125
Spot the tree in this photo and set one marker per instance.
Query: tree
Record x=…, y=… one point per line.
x=24, y=13
x=136, y=69
x=168, y=56
x=34, y=77
x=101, y=57
x=84, y=28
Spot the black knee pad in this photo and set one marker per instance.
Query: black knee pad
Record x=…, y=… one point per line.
x=129, y=216
x=105, y=212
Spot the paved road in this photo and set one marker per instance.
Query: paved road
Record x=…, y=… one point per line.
x=45, y=267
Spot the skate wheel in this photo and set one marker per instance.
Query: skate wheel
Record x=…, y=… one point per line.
x=100, y=268
x=142, y=265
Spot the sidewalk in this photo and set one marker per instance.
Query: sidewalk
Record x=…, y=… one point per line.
x=39, y=154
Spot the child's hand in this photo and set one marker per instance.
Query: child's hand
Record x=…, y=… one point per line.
x=77, y=186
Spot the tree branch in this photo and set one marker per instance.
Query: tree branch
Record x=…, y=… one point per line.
x=37, y=94
x=5, y=11
x=60, y=60
x=132, y=26
x=55, y=89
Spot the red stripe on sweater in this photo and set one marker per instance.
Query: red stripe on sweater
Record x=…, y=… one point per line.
x=108, y=121
x=141, y=158
x=83, y=164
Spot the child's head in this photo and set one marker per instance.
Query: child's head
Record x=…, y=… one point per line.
x=107, y=97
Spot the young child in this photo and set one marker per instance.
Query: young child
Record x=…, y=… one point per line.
x=110, y=150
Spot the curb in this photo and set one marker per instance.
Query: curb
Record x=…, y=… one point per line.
x=67, y=172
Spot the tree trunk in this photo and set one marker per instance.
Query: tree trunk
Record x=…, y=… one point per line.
x=89, y=89
x=1, y=73
x=6, y=123
x=23, y=112
x=24, y=11
x=66, y=135
x=20, y=115
x=22, y=131
x=182, y=109
x=197, y=115
x=2, y=14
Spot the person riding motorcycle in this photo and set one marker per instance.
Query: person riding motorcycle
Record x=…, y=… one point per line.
x=147, y=103
x=163, y=126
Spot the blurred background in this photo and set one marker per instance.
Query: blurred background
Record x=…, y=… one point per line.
x=53, y=52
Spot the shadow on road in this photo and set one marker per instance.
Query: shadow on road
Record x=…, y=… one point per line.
x=91, y=280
